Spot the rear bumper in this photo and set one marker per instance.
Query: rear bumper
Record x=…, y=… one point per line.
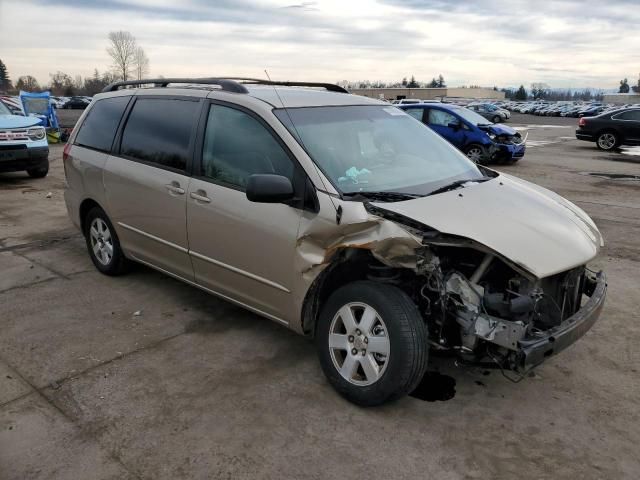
x=582, y=135
x=22, y=158
x=532, y=352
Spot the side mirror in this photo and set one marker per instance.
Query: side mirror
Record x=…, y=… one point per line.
x=269, y=188
x=455, y=125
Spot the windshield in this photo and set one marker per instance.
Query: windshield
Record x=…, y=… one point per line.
x=376, y=149
x=472, y=117
x=4, y=110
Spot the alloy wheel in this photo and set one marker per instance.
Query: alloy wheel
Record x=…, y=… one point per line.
x=607, y=141
x=101, y=241
x=359, y=344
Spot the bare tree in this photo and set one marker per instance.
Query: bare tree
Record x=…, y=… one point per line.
x=141, y=63
x=122, y=50
x=27, y=83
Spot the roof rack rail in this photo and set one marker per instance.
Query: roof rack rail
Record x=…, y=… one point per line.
x=228, y=85
x=257, y=81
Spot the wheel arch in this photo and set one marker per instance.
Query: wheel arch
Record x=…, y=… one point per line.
x=347, y=266
x=85, y=207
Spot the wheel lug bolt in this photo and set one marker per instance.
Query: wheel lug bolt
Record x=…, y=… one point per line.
x=364, y=352
x=357, y=332
x=366, y=340
x=354, y=351
x=350, y=338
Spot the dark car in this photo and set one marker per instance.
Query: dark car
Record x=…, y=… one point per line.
x=611, y=129
x=76, y=103
x=475, y=136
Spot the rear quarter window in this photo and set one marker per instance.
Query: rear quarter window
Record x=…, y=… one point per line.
x=99, y=128
x=159, y=130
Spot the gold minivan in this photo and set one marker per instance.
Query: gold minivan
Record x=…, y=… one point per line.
x=338, y=216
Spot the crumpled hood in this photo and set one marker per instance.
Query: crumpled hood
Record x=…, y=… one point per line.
x=498, y=129
x=17, y=121
x=525, y=223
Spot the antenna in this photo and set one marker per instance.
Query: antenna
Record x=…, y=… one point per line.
x=338, y=208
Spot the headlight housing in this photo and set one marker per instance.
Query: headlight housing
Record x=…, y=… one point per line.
x=36, y=133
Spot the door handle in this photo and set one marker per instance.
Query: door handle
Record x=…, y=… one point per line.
x=200, y=196
x=174, y=187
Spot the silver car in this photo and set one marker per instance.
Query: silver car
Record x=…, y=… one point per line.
x=338, y=216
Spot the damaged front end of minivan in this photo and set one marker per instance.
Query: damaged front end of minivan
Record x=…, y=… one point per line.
x=476, y=302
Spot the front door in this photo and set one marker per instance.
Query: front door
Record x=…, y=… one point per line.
x=146, y=182
x=443, y=123
x=241, y=249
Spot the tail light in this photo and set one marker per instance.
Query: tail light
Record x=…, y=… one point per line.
x=65, y=152
x=582, y=122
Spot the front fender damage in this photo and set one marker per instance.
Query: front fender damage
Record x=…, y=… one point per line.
x=475, y=302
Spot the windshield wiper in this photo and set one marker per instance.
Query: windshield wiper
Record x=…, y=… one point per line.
x=382, y=196
x=457, y=184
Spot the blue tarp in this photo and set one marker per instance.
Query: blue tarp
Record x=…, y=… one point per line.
x=39, y=105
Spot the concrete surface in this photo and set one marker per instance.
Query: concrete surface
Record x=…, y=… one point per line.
x=194, y=387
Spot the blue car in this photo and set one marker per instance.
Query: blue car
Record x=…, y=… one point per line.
x=479, y=139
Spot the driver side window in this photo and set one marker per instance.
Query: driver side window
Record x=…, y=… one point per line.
x=441, y=118
x=236, y=146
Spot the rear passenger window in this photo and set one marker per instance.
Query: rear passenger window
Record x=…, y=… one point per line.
x=158, y=131
x=99, y=128
x=415, y=113
x=628, y=115
x=236, y=146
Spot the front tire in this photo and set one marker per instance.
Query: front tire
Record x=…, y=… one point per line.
x=39, y=172
x=496, y=119
x=475, y=153
x=103, y=244
x=372, y=343
x=607, y=141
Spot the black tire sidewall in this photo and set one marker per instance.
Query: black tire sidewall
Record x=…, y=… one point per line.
x=118, y=262
x=407, y=333
x=497, y=121
x=39, y=172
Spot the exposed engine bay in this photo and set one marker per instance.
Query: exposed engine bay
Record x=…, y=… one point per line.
x=479, y=306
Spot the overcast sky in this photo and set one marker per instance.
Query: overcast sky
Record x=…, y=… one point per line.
x=565, y=43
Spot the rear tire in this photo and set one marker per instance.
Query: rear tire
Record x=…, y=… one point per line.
x=103, y=244
x=39, y=172
x=607, y=141
x=372, y=343
x=496, y=119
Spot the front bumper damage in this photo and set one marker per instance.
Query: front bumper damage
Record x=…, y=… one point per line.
x=533, y=351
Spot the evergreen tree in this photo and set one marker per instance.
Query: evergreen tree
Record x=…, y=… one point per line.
x=624, y=86
x=440, y=82
x=521, y=94
x=5, y=81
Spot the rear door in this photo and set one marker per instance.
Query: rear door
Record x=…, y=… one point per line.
x=146, y=181
x=416, y=112
x=240, y=249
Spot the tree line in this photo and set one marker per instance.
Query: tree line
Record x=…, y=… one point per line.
x=129, y=61
x=404, y=83
x=542, y=91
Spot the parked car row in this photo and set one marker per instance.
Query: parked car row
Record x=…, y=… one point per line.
x=563, y=109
